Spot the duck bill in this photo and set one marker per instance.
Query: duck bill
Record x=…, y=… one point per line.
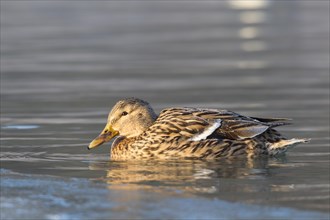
x=106, y=135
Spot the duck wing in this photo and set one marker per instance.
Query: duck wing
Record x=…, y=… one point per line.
x=274, y=122
x=197, y=124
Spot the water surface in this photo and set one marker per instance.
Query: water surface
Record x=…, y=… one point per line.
x=64, y=64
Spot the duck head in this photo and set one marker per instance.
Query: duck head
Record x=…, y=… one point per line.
x=129, y=118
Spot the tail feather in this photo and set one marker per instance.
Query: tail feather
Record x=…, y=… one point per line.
x=283, y=145
x=274, y=122
x=271, y=119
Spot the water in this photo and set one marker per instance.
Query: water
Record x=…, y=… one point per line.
x=64, y=64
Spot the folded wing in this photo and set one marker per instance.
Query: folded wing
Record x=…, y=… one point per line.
x=197, y=124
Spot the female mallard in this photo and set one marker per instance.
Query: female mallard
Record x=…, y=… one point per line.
x=188, y=133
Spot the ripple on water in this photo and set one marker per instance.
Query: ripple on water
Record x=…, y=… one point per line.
x=20, y=127
x=56, y=198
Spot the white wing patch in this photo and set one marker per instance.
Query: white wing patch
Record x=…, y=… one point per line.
x=208, y=131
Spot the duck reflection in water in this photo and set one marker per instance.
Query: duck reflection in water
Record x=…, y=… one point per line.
x=185, y=175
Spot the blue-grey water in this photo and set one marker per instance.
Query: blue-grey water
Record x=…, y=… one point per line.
x=65, y=63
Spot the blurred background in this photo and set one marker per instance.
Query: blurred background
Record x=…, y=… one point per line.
x=64, y=64
x=218, y=53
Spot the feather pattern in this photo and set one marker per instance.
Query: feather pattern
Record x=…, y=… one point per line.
x=191, y=133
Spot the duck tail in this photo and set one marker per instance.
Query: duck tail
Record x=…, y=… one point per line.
x=283, y=145
x=274, y=122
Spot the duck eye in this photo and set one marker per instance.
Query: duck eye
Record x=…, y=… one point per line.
x=124, y=113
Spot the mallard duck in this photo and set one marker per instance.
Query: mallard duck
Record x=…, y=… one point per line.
x=183, y=132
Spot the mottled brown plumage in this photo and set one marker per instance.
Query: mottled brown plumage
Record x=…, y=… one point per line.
x=188, y=133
